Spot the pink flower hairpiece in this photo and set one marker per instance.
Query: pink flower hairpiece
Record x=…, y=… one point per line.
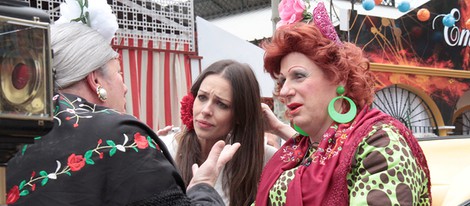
x=186, y=111
x=291, y=11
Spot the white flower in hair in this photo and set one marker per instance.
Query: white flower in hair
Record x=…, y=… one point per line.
x=95, y=13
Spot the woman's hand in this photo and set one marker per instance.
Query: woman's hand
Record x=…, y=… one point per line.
x=209, y=171
x=275, y=126
x=271, y=121
x=164, y=131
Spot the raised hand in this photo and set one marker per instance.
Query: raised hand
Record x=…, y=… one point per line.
x=209, y=171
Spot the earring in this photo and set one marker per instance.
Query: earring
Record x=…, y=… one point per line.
x=300, y=131
x=342, y=118
x=102, y=93
x=229, y=135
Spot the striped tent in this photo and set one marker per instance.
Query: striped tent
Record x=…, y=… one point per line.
x=157, y=75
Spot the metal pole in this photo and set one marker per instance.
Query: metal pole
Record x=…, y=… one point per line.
x=275, y=13
x=3, y=185
x=349, y=19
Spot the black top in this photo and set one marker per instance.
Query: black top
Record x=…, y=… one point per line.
x=98, y=156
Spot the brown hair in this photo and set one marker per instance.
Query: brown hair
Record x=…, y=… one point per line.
x=241, y=175
x=341, y=63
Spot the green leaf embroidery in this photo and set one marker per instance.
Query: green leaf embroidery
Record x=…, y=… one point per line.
x=135, y=148
x=110, y=142
x=90, y=161
x=26, y=146
x=88, y=154
x=43, y=173
x=24, y=149
x=64, y=102
x=22, y=184
x=150, y=142
x=24, y=193
x=44, y=181
x=112, y=151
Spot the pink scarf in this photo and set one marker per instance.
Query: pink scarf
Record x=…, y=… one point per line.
x=324, y=181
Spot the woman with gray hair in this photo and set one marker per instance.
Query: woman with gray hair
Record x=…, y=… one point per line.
x=96, y=154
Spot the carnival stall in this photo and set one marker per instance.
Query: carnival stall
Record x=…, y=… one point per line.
x=421, y=56
x=422, y=63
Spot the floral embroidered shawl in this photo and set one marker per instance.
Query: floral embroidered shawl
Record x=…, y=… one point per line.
x=93, y=156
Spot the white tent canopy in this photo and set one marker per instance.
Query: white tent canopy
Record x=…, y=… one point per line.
x=215, y=44
x=248, y=26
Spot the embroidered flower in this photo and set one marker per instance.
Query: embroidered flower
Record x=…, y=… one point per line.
x=13, y=195
x=187, y=110
x=291, y=11
x=76, y=162
x=292, y=154
x=141, y=141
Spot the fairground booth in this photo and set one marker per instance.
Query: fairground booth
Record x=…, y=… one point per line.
x=421, y=56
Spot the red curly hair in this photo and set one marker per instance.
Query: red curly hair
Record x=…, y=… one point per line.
x=341, y=63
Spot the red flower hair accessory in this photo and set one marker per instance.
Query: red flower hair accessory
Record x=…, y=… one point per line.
x=187, y=111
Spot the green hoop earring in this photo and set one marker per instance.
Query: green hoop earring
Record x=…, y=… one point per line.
x=342, y=118
x=300, y=131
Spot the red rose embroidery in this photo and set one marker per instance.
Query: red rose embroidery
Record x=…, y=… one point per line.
x=13, y=195
x=187, y=110
x=76, y=162
x=141, y=141
x=298, y=154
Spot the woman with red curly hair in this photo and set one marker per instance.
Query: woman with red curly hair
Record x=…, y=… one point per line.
x=346, y=152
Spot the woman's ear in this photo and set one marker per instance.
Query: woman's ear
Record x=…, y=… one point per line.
x=92, y=81
x=93, y=84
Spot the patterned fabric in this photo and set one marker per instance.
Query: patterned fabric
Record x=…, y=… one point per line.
x=384, y=172
x=277, y=194
x=383, y=163
x=340, y=153
x=92, y=156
